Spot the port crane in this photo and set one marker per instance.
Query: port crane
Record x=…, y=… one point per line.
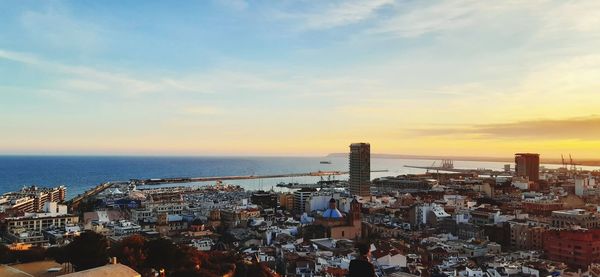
x=432, y=166
x=573, y=166
x=569, y=165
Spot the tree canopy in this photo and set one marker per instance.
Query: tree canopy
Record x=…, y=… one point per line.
x=87, y=251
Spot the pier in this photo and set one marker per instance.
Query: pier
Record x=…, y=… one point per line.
x=240, y=177
x=446, y=168
x=74, y=203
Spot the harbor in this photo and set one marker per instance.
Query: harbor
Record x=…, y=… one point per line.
x=160, y=181
x=74, y=203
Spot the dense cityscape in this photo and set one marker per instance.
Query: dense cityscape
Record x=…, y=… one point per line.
x=526, y=220
x=299, y=138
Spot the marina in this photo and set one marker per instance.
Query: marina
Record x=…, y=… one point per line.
x=74, y=203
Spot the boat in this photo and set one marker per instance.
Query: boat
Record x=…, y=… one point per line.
x=287, y=185
x=325, y=162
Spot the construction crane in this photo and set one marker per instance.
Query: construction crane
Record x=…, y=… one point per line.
x=448, y=164
x=432, y=165
x=573, y=166
x=562, y=157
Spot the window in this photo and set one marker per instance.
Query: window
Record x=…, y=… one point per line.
x=342, y=233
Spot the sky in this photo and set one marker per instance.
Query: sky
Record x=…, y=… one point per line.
x=301, y=78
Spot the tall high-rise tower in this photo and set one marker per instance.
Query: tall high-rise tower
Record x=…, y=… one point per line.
x=528, y=165
x=360, y=169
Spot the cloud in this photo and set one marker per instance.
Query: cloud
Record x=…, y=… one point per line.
x=578, y=16
x=334, y=14
x=55, y=27
x=544, y=17
x=411, y=21
x=83, y=78
x=395, y=17
x=77, y=79
x=19, y=57
x=576, y=75
x=580, y=128
x=239, y=81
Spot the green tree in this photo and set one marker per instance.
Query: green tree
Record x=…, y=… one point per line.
x=58, y=254
x=6, y=256
x=87, y=251
x=313, y=232
x=162, y=254
x=132, y=252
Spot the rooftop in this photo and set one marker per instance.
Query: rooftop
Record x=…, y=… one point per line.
x=30, y=269
x=332, y=213
x=106, y=271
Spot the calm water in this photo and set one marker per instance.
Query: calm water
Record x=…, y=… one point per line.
x=80, y=173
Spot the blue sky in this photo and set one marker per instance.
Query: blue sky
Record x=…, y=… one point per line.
x=299, y=77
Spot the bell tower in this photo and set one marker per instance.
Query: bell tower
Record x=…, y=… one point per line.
x=355, y=207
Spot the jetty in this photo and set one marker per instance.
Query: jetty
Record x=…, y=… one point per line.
x=240, y=177
x=74, y=203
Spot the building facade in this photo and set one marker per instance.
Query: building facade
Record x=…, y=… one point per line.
x=526, y=236
x=339, y=226
x=29, y=228
x=577, y=217
x=31, y=199
x=575, y=248
x=286, y=201
x=300, y=197
x=264, y=199
x=528, y=165
x=360, y=169
x=541, y=207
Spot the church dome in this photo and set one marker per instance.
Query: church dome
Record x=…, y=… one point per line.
x=332, y=213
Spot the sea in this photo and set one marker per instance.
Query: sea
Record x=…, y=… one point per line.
x=80, y=173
